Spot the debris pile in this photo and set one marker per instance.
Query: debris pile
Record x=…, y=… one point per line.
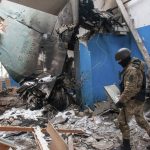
x=94, y=20
x=44, y=89
x=53, y=89
x=97, y=132
x=9, y=101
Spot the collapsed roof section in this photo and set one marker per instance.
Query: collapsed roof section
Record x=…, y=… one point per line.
x=30, y=35
x=30, y=46
x=48, y=6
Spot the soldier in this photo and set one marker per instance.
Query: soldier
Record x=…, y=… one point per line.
x=132, y=98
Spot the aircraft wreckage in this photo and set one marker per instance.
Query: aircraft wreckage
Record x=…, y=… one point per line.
x=34, y=40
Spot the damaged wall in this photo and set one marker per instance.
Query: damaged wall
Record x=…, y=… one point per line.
x=103, y=69
x=85, y=74
x=136, y=8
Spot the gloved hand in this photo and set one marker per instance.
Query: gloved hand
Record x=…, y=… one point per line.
x=120, y=104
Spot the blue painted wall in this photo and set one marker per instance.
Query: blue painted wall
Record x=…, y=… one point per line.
x=13, y=83
x=86, y=75
x=98, y=66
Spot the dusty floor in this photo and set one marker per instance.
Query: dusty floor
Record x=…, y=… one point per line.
x=100, y=131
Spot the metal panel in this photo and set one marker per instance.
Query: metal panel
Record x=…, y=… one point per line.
x=113, y=92
x=37, y=20
x=34, y=32
x=18, y=46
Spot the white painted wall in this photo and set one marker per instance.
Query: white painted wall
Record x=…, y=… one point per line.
x=3, y=72
x=140, y=12
x=104, y=5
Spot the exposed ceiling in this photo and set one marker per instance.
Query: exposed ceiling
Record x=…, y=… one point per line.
x=49, y=6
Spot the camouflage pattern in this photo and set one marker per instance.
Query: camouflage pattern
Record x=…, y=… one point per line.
x=132, y=80
x=133, y=108
x=132, y=77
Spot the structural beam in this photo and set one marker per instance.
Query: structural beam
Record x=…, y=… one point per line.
x=135, y=33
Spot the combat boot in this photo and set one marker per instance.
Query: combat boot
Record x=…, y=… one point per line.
x=148, y=147
x=126, y=144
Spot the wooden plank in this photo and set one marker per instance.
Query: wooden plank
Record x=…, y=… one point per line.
x=70, y=131
x=41, y=142
x=57, y=141
x=7, y=82
x=4, y=147
x=6, y=144
x=37, y=142
x=1, y=85
x=134, y=32
x=15, y=128
x=30, y=129
x=70, y=143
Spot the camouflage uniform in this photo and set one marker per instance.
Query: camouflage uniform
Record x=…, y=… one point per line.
x=132, y=82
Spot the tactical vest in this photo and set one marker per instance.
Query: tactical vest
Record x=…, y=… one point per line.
x=141, y=95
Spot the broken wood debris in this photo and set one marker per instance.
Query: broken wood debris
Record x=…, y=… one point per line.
x=99, y=131
x=57, y=141
x=70, y=142
x=39, y=138
x=30, y=129
x=6, y=145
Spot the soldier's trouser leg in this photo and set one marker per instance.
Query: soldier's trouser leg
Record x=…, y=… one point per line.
x=123, y=119
x=139, y=117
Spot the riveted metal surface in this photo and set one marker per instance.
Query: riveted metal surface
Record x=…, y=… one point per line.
x=29, y=33
x=37, y=20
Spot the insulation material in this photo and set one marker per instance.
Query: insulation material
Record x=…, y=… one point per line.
x=26, y=114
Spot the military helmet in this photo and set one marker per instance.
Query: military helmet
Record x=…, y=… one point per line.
x=122, y=54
